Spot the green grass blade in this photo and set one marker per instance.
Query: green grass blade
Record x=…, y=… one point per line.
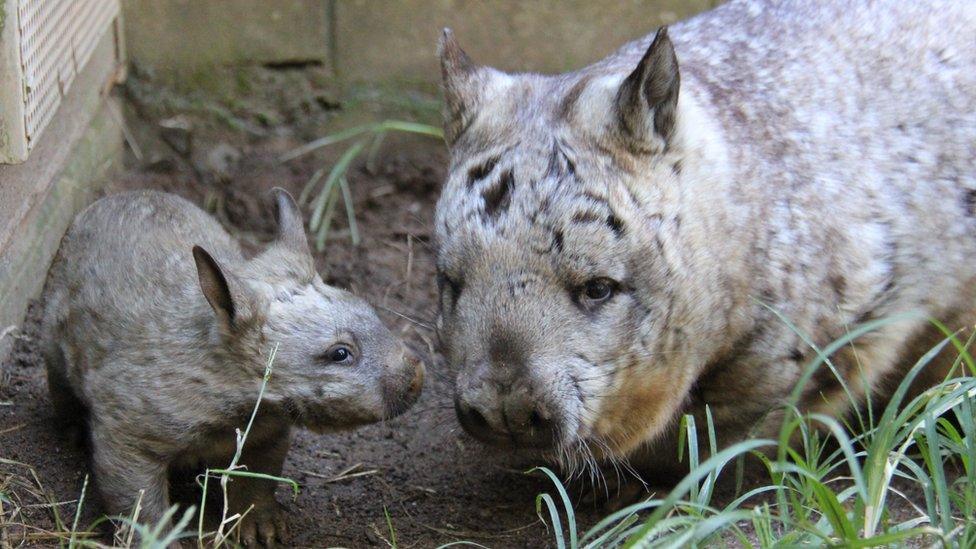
x=962, y=349
x=833, y=511
x=260, y=476
x=601, y=541
x=330, y=139
x=616, y=518
x=557, y=524
x=938, y=472
x=179, y=529
x=310, y=186
x=389, y=524
x=847, y=447
x=693, y=462
x=411, y=127
x=893, y=538
x=339, y=170
x=323, y=232
x=567, y=504
x=712, y=464
x=74, y=524
x=704, y=529
x=350, y=211
x=203, y=503
x=374, y=151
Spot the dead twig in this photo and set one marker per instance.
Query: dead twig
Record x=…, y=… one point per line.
x=346, y=474
x=15, y=427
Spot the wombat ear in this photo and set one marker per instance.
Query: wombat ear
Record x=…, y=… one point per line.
x=291, y=228
x=461, y=85
x=214, y=285
x=648, y=98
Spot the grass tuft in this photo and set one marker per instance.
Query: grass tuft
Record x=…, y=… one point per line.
x=328, y=185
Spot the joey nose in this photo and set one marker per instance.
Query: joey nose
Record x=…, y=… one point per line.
x=403, y=387
x=414, y=362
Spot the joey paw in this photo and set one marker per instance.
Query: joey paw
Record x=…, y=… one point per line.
x=264, y=526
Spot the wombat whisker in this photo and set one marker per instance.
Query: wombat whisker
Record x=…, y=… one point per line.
x=406, y=317
x=434, y=408
x=444, y=422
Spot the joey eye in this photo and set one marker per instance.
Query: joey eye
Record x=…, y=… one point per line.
x=597, y=290
x=339, y=354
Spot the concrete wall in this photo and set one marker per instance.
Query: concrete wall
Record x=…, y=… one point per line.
x=383, y=41
x=378, y=40
x=192, y=34
x=39, y=198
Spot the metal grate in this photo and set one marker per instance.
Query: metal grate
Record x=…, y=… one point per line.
x=56, y=39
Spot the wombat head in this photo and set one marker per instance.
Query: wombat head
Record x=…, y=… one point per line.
x=557, y=295
x=336, y=364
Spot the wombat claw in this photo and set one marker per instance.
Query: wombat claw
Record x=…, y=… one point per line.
x=264, y=526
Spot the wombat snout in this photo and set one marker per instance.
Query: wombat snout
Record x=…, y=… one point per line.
x=404, y=386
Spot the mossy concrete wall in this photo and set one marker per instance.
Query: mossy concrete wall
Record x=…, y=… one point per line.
x=377, y=40
x=383, y=41
x=188, y=35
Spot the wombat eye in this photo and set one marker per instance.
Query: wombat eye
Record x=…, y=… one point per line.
x=598, y=290
x=339, y=354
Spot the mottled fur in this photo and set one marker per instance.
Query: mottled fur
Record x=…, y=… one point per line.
x=819, y=158
x=164, y=378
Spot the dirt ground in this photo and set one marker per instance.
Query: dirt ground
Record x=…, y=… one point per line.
x=437, y=485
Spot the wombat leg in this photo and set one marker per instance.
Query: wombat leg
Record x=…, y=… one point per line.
x=69, y=412
x=265, y=523
x=122, y=471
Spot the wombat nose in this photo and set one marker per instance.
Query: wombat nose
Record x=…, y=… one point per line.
x=515, y=423
x=529, y=424
x=403, y=385
x=473, y=421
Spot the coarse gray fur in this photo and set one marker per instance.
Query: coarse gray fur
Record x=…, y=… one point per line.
x=814, y=158
x=158, y=331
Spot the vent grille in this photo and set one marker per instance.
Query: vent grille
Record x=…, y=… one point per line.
x=56, y=39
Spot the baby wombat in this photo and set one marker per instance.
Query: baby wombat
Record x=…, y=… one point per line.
x=158, y=332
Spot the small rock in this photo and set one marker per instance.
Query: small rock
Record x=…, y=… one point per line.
x=221, y=159
x=178, y=133
x=372, y=538
x=161, y=164
x=327, y=102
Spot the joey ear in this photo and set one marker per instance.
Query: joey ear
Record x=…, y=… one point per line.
x=291, y=228
x=214, y=286
x=648, y=98
x=461, y=85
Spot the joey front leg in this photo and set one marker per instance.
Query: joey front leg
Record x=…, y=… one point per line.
x=123, y=469
x=264, y=523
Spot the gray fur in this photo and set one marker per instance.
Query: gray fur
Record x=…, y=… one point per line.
x=822, y=161
x=166, y=360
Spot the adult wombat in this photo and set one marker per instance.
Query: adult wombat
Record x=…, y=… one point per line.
x=158, y=331
x=613, y=241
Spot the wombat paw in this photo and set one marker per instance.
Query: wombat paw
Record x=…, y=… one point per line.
x=264, y=526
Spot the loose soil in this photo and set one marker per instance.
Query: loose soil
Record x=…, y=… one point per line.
x=436, y=485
